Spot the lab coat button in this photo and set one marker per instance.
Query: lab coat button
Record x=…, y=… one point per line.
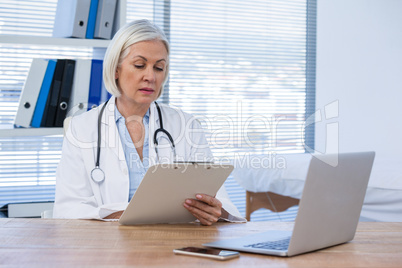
x=125, y=171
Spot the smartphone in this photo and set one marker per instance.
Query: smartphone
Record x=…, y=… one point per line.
x=217, y=254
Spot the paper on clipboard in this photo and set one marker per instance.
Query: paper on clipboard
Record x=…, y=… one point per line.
x=162, y=192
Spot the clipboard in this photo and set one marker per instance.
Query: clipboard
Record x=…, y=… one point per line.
x=164, y=188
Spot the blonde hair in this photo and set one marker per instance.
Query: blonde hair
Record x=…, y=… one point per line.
x=119, y=47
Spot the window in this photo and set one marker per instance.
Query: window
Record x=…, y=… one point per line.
x=27, y=164
x=246, y=70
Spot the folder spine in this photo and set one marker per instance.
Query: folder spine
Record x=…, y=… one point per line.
x=50, y=112
x=95, y=88
x=93, y=9
x=105, y=19
x=65, y=92
x=79, y=94
x=30, y=93
x=43, y=94
x=71, y=18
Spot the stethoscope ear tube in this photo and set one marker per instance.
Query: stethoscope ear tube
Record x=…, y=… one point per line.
x=166, y=133
x=162, y=130
x=97, y=173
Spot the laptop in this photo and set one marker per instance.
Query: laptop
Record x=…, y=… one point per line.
x=329, y=209
x=164, y=188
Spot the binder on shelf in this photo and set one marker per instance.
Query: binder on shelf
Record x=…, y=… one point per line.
x=43, y=94
x=95, y=86
x=79, y=94
x=119, y=16
x=105, y=18
x=65, y=92
x=28, y=209
x=53, y=98
x=105, y=95
x=30, y=93
x=71, y=18
x=93, y=9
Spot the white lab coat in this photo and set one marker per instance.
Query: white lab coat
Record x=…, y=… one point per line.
x=79, y=197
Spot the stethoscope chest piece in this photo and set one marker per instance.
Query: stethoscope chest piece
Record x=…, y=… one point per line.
x=97, y=175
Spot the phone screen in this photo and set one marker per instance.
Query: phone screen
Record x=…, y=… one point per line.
x=207, y=252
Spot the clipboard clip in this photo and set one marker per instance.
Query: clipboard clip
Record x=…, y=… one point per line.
x=192, y=162
x=195, y=163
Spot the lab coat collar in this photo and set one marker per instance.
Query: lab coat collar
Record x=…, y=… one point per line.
x=112, y=137
x=109, y=133
x=108, y=116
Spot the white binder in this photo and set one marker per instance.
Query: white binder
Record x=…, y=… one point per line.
x=71, y=18
x=105, y=18
x=79, y=94
x=30, y=93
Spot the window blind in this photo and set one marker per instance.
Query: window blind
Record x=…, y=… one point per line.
x=244, y=69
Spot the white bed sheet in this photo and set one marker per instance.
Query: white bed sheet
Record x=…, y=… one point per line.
x=383, y=201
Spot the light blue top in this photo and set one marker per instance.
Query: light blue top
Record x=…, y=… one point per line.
x=136, y=167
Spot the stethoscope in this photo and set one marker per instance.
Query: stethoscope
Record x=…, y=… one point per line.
x=97, y=173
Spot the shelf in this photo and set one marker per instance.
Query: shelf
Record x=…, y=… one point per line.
x=26, y=132
x=99, y=45
x=51, y=41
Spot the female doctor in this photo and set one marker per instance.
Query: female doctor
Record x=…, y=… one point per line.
x=107, y=150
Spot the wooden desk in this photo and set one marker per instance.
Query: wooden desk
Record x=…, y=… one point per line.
x=75, y=243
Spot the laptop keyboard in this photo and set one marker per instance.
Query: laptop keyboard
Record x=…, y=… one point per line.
x=277, y=245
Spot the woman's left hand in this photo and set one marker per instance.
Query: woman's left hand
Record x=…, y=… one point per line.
x=205, y=208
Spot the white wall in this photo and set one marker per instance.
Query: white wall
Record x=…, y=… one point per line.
x=359, y=63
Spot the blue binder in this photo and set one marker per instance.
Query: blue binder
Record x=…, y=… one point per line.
x=49, y=114
x=95, y=85
x=43, y=94
x=93, y=10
